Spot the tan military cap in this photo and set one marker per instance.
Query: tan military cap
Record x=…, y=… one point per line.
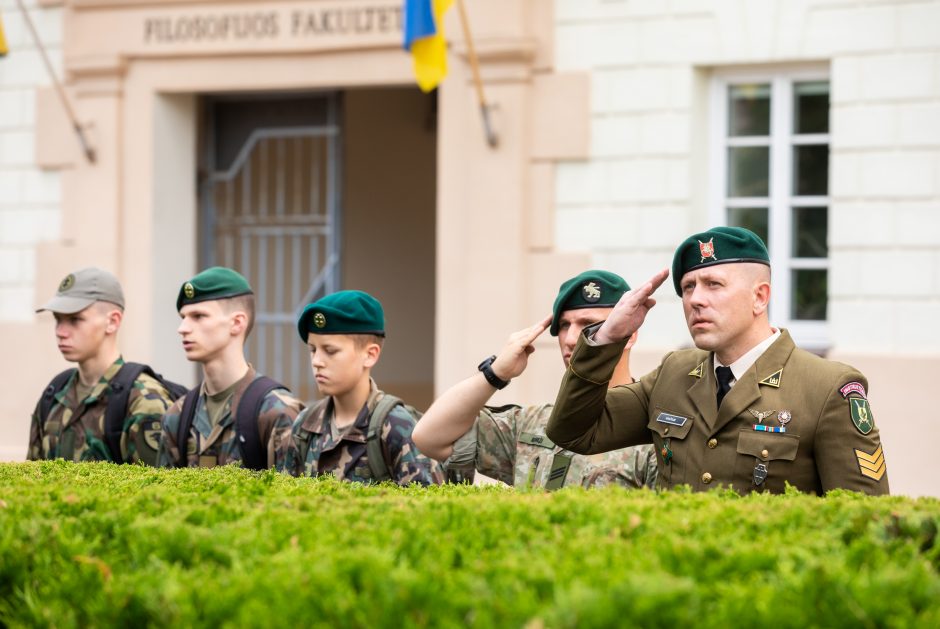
x=83, y=288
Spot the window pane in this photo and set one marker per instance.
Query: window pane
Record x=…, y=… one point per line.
x=749, y=110
x=811, y=107
x=753, y=218
x=810, y=232
x=811, y=169
x=808, y=301
x=748, y=171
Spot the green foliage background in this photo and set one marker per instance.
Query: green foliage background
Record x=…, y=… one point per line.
x=102, y=545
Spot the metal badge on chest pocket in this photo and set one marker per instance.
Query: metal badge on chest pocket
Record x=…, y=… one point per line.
x=765, y=451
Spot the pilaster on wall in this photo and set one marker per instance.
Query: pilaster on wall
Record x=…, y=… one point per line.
x=497, y=270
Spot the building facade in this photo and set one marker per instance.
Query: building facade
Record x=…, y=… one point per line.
x=287, y=139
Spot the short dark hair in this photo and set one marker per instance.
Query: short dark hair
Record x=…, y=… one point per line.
x=245, y=303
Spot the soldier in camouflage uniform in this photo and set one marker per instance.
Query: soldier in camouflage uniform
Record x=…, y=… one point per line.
x=508, y=443
x=345, y=332
x=217, y=312
x=89, y=308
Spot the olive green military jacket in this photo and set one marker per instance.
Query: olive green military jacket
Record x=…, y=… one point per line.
x=792, y=418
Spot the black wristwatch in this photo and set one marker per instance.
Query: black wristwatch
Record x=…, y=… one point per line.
x=487, y=368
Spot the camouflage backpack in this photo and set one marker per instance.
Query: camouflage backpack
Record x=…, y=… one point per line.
x=120, y=392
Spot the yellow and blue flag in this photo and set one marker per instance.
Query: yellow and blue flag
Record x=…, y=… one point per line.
x=3, y=40
x=424, y=39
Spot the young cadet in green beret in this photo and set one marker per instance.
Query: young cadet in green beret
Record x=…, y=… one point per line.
x=89, y=309
x=355, y=432
x=217, y=311
x=508, y=443
x=747, y=409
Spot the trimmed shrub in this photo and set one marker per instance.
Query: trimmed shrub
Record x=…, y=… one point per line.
x=104, y=545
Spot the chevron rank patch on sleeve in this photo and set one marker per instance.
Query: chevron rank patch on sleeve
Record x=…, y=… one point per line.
x=871, y=465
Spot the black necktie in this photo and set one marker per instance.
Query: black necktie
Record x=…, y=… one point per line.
x=724, y=376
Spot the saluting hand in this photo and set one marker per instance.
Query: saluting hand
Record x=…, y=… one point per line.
x=514, y=357
x=630, y=312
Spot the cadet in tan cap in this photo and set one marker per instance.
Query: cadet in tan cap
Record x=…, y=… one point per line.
x=508, y=443
x=72, y=419
x=746, y=409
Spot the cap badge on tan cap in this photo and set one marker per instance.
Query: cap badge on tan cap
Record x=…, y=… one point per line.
x=707, y=249
x=319, y=320
x=591, y=292
x=67, y=283
x=189, y=290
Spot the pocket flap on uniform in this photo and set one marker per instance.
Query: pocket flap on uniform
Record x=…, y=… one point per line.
x=768, y=446
x=667, y=424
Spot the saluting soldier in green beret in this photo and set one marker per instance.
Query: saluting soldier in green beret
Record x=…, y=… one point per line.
x=509, y=443
x=356, y=431
x=236, y=415
x=70, y=418
x=747, y=409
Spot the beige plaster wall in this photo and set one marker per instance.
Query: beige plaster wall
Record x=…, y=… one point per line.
x=388, y=217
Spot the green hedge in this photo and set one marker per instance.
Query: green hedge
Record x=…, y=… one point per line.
x=101, y=545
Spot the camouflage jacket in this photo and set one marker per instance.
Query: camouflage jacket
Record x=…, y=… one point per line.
x=509, y=444
x=74, y=429
x=320, y=447
x=208, y=445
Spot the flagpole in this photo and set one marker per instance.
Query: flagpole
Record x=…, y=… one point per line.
x=86, y=146
x=491, y=138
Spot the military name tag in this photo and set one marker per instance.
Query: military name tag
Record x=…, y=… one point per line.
x=536, y=440
x=672, y=420
x=558, y=471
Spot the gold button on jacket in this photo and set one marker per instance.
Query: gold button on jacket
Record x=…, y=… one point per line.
x=821, y=448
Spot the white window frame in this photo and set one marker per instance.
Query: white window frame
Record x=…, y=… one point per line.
x=812, y=335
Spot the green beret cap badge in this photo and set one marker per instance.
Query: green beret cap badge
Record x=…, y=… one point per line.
x=592, y=292
x=319, y=320
x=591, y=289
x=188, y=290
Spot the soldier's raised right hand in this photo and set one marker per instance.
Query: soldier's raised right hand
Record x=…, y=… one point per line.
x=630, y=312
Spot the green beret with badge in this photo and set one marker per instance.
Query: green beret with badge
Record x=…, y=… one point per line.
x=217, y=282
x=719, y=245
x=591, y=289
x=343, y=312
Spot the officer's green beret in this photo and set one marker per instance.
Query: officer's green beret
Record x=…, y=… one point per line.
x=719, y=245
x=591, y=289
x=344, y=312
x=217, y=282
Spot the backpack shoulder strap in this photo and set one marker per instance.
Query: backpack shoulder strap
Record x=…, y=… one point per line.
x=48, y=396
x=121, y=385
x=377, y=462
x=254, y=456
x=187, y=414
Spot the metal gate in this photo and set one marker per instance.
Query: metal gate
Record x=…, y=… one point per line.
x=273, y=215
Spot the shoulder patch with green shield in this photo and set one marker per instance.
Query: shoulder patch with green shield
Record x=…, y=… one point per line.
x=861, y=415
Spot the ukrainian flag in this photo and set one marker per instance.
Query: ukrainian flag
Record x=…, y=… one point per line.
x=424, y=39
x=3, y=40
